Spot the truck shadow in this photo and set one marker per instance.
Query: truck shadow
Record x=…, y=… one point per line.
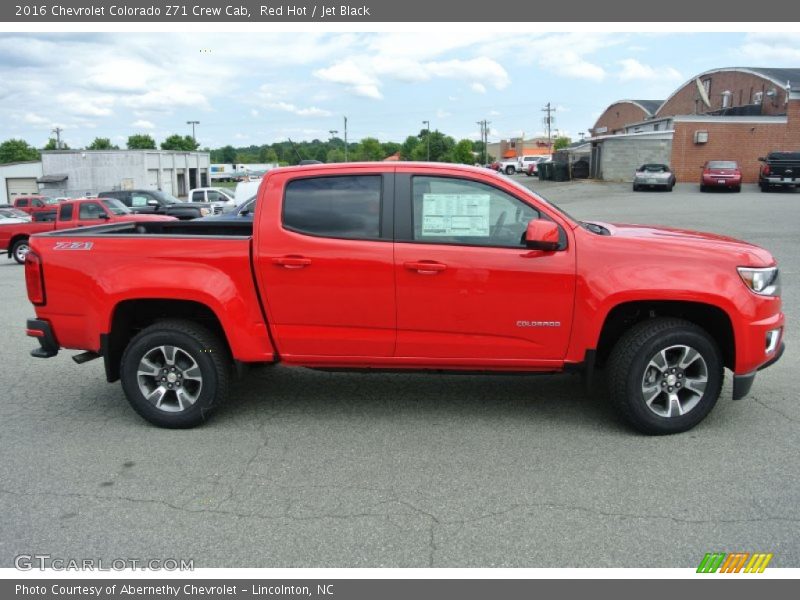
x=291, y=393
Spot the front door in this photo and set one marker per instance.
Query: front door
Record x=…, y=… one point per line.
x=469, y=293
x=326, y=267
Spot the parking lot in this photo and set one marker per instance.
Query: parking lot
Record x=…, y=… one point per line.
x=312, y=469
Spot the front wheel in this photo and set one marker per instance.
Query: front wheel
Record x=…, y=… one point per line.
x=175, y=373
x=20, y=250
x=510, y=170
x=665, y=376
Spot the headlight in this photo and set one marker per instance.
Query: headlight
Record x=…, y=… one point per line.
x=764, y=282
x=204, y=212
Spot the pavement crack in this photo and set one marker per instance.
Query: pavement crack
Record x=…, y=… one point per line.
x=776, y=410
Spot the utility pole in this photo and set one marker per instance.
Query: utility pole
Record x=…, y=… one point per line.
x=485, y=139
x=428, y=137
x=193, y=123
x=345, y=139
x=548, y=121
x=58, y=131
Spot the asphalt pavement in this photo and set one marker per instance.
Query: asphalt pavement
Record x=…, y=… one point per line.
x=312, y=469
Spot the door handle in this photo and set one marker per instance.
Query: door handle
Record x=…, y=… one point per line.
x=425, y=267
x=291, y=262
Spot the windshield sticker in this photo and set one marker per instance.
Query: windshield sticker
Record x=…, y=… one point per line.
x=455, y=215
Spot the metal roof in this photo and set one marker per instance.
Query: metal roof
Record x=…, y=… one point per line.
x=649, y=106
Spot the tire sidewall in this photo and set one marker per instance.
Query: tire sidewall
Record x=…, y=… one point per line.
x=133, y=354
x=16, y=247
x=642, y=414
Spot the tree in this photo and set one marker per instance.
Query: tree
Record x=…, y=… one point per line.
x=267, y=155
x=561, y=141
x=17, y=151
x=185, y=143
x=407, y=147
x=390, y=148
x=335, y=155
x=52, y=145
x=462, y=153
x=141, y=141
x=102, y=144
x=369, y=149
x=246, y=158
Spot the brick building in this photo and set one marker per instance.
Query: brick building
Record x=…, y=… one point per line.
x=722, y=114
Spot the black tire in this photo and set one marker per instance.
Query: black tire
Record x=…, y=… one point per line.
x=764, y=187
x=510, y=170
x=210, y=356
x=703, y=188
x=671, y=185
x=737, y=189
x=20, y=250
x=629, y=363
x=635, y=188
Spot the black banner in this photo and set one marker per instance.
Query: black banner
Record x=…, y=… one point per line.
x=370, y=11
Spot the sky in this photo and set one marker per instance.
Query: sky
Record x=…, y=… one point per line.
x=257, y=88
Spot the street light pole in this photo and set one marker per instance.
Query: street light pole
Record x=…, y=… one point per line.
x=428, y=137
x=193, y=123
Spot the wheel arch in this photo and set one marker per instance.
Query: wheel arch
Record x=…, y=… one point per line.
x=129, y=317
x=712, y=319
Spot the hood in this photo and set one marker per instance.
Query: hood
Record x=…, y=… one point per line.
x=691, y=243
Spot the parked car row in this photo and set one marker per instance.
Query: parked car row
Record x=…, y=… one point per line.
x=521, y=164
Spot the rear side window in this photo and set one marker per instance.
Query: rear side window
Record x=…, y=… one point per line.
x=65, y=213
x=22, y=202
x=341, y=207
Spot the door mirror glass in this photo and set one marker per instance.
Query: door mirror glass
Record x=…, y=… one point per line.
x=542, y=235
x=152, y=202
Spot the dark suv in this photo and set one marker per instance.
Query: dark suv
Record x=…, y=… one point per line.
x=780, y=169
x=156, y=202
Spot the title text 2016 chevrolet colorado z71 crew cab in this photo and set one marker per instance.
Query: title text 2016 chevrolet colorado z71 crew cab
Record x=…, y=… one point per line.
x=408, y=266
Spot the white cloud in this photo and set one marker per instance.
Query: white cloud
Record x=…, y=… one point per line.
x=167, y=98
x=776, y=49
x=34, y=119
x=143, y=124
x=443, y=114
x=633, y=70
x=478, y=87
x=254, y=112
x=311, y=111
x=86, y=105
x=123, y=75
x=480, y=69
x=495, y=113
x=349, y=74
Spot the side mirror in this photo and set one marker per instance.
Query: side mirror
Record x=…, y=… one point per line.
x=103, y=216
x=152, y=202
x=761, y=159
x=542, y=235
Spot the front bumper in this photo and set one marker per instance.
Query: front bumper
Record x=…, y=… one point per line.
x=41, y=330
x=743, y=383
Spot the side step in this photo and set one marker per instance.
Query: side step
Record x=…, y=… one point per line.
x=85, y=357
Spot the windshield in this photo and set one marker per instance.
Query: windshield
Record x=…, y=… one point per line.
x=14, y=213
x=50, y=200
x=721, y=164
x=116, y=207
x=166, y=198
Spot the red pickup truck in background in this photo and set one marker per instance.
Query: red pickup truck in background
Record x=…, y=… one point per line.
x=408, y=267
x=35, y=204
x=67, y=215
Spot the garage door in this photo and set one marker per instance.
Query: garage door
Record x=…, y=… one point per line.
x=21, y=186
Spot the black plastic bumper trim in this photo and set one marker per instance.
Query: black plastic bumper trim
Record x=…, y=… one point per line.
x=48, y=347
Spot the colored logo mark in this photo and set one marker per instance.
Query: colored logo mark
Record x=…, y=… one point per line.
x=735, y=562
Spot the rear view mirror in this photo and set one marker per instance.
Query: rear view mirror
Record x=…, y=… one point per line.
x=542, y=235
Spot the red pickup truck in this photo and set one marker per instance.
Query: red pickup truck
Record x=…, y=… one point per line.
x=35, y=204
x=67, y=215
x=408, y=267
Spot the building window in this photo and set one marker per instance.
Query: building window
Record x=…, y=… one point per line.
x=757, y=97
x=707, y=86
x=726, y=99
x=656, y=127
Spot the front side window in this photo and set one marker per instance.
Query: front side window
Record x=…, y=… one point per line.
x=90, y=210
x=459, y=211
x=340, y=207
x=198, y=197
x=115, y=207
x=138, y=200
x=22, y=202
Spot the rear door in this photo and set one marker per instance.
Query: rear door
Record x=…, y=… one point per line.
x=469, y=293
x=325, y=263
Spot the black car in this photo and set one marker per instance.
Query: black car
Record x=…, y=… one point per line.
x=780, y=170
x=156, y=202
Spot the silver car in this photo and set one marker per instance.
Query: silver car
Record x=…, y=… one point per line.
x=653, y=175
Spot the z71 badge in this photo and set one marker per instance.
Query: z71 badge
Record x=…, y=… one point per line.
x=73, y=246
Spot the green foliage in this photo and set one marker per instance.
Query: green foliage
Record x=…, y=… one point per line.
x=185, y=143
x=462, y=153
x=407, y=147
x=51, y=145
x=561, y=142
x=17, y=151
x=369, y=149
x=102, y=144
x=335, y=155
x=141, y=141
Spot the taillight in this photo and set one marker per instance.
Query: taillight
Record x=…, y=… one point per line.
x=34, y=278
x=765, y=170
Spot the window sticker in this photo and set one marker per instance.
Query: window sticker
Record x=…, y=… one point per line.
x=455, y=215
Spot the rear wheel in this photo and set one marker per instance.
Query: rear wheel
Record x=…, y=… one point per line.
x=703, y=188
x=175, y=373
x=635, y=188
x=510, y=170
x=20, y=250
x=737, y=189
x=764, y=187
x=665, y=376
